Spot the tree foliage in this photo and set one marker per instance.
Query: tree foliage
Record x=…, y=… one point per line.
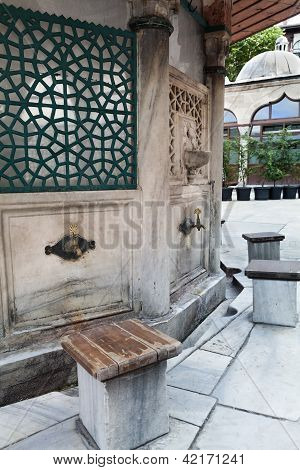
x=241, y=52
x=242, y=147
x=278, y=155
x=227, y=168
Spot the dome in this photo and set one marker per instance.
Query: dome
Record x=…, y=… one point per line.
x=270, y=64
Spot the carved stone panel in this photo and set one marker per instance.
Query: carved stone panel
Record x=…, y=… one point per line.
x=188, y=252
x=40, y=290
x=189, y=141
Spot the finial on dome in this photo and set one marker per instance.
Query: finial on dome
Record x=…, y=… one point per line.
x=281, y=44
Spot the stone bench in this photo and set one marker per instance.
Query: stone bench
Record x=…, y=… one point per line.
x=264, y=245
x=275, y=291
x=122, y=382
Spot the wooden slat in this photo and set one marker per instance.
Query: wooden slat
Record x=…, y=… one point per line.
x=121, y=347
x=111, y=350
x=250, y=17
x=165, y=346
x=91, y=358
x=254, y=14
x=256, y=19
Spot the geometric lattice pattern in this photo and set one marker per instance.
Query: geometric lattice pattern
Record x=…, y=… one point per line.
x=189, y=103
x=67, y=104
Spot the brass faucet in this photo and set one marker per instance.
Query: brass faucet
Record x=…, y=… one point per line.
x=72, y=246
x=188, y=224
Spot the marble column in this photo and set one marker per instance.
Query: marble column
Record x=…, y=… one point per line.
x=216, y=47
x=151, y=22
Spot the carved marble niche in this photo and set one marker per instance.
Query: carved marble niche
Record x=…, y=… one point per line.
x=189, y=132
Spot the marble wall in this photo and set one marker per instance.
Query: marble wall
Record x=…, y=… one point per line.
x=186, y=46
x=114, y=13
x=244, y=99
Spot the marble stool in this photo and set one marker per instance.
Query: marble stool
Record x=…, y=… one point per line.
x=275, y=291
x=264, y=245
x=122, y=382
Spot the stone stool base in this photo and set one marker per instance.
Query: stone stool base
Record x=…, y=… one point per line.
x=269, y=250
x=264, y=245
x=275, y=302
x=127, y=411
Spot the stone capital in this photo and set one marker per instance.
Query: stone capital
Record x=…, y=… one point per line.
x=216, y=50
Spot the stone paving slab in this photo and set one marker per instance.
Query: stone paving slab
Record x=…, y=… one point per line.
x=232, y=429
x=180, y=437
x=199, y=373
x=22, y=419
x=16, y=425
x=283, y=210
x=293, y=429
x=55, y=405
x=264, y=378
x=237, y=228
x=242, y=302
x=62, y=436
x=231, y=339
x=290, y=247
x=9, y=436
x=188, y=406
x=210, y=326
x=206, y=330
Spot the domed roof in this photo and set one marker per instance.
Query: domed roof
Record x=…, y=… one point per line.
x=270, y=64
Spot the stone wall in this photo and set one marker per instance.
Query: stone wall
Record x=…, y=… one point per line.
x=114, y=13
x=244, y=99
x=186, y=46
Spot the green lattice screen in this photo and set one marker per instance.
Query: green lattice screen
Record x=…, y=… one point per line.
x=67, y=104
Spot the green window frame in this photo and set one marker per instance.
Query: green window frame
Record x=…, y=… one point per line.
x=68, y=104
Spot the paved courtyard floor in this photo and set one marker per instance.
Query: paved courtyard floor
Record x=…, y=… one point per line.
x=236, y=385
x=259, y=216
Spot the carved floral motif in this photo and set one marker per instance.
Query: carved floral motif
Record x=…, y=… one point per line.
x=188, y=125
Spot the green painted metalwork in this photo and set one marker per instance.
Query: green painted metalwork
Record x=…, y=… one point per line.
x=193, y=11
x=67, y=104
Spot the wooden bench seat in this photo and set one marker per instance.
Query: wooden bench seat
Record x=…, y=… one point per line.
x=122, y=383
x=111, y=350
x=275, y=291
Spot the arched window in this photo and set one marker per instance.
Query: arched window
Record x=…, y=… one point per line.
x=296, y=48
x=274, y=117
x=229, y=117
x=283, y=110
x=231, y=131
